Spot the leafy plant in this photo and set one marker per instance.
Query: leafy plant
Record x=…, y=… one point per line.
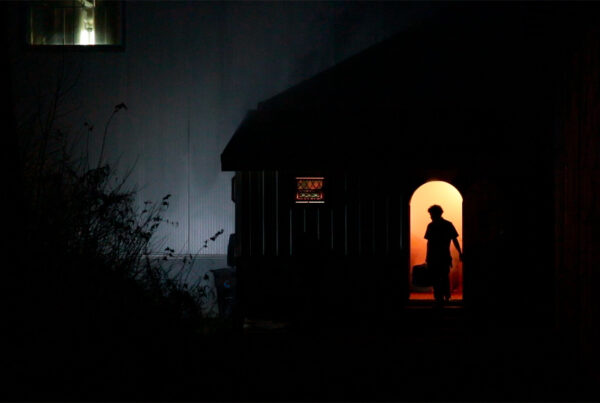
x=91, y=284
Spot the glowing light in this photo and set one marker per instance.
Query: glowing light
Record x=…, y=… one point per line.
x=87, y=37
x=447, y=196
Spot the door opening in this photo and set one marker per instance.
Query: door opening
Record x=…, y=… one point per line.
x=450, y=199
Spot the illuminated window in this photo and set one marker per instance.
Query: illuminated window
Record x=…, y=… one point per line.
x=75, y=23
x=309, y=190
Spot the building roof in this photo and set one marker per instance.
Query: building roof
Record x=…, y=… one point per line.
x=357, y=139
x=429, y=96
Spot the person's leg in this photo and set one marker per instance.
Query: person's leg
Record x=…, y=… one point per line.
x=445, y=285
x=438, y=290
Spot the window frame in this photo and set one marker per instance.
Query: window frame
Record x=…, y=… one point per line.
x=26, y=30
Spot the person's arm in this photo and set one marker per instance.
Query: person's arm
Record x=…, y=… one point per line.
x=457, y=246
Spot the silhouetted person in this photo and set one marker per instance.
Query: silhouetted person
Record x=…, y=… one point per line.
x=439, y=234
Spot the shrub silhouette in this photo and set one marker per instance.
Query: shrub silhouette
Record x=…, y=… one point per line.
x=93, y=314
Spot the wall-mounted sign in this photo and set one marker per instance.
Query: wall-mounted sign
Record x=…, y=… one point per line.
x=309, y=189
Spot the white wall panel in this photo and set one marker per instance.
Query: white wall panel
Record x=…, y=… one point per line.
x=189, y=73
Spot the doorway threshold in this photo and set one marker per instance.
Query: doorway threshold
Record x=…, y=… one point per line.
x=430, y=303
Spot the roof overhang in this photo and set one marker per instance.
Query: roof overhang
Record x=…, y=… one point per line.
x=355, y=139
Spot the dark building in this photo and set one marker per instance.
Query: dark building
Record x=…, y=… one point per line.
x=499, y=101
x=496, y=101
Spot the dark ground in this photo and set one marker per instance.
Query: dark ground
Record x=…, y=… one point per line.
x=420, y=354
x=433, y=356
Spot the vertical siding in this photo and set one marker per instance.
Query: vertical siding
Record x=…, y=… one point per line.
x=296, y=226
x=269, y=204
x=246, y=213
x=352, y=218
x=356, y=220
x=284, y=218
x=364, y=232
x=578, y=202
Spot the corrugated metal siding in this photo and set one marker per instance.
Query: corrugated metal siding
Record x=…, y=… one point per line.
x=356, y=219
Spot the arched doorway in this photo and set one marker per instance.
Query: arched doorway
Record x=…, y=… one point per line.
x=447, y=196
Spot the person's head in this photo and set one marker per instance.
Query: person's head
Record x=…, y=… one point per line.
x=435, y=212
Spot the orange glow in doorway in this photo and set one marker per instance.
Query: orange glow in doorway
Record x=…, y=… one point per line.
x=447, y=196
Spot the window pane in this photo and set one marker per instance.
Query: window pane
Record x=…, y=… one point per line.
x=75, y=22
